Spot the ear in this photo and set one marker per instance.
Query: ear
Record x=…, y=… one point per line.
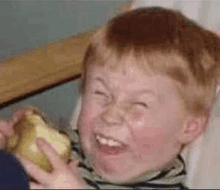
x=192, y=128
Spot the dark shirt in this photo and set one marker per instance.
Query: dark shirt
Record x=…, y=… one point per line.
x=12, y=174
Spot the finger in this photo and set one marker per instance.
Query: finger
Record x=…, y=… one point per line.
x=73, y=165
x=33, y=170
x=16, y=117
x=51, y=154
x=6, y=128
x=24, y=111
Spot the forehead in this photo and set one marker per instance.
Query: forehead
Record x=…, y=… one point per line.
x=125, y=69
x=128, y=76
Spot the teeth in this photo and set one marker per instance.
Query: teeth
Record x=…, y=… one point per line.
x=109, y=142
x=103, y=141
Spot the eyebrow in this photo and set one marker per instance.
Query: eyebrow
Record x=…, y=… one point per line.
x=146, y=91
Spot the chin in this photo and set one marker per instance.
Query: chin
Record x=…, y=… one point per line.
x=116, y=175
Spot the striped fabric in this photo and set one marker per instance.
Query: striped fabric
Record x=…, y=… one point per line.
x=170, y=178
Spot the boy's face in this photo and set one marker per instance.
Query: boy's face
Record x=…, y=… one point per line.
x=129, y=122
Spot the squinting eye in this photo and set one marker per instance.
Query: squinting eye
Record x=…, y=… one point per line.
x=141, y=104
x=101, y=93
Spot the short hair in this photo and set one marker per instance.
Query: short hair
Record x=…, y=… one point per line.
x=162, y=41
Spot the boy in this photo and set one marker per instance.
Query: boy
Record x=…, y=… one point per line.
x=148, y=84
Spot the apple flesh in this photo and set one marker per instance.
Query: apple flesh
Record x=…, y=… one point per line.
x=24, y=141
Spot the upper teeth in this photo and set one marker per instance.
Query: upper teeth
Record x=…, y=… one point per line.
x=109, y=142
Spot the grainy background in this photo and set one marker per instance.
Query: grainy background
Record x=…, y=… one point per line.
x=26, y=24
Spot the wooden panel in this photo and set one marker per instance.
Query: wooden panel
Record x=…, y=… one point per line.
x=46, y=66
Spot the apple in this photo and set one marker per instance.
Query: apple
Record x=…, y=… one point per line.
x=27, y=129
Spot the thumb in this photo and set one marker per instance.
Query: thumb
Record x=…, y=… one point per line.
x=73, y=164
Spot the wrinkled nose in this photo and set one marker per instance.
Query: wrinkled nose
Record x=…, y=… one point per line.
x=112, y=117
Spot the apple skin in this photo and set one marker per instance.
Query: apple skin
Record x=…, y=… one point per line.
x=27, y=129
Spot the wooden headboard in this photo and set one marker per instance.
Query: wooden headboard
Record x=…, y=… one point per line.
x=46, y=66
x=31, y=72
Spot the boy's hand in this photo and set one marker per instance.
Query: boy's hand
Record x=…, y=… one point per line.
x=6, y=127
x=63, y=176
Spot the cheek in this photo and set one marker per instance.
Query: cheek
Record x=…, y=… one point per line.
x=85, y=128
x=137, y=117
x=85, y=119
x=89, y=112
x=147, y=134
x=150, y=139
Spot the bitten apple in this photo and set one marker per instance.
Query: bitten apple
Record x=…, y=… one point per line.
x=27, y=129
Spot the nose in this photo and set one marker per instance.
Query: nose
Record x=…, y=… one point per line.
x=113, y=116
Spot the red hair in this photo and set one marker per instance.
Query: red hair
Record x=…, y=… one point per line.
x=163, y=41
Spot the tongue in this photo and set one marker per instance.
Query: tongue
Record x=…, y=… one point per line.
x=111, y=150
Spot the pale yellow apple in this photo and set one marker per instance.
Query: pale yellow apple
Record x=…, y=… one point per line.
x=24, y=141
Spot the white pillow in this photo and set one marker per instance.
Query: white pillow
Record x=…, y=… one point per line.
x=203, y=156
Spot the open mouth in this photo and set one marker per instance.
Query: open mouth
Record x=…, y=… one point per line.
x=109, y=145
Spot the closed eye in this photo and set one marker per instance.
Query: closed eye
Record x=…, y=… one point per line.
x=141, y=104
x=101, y=93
